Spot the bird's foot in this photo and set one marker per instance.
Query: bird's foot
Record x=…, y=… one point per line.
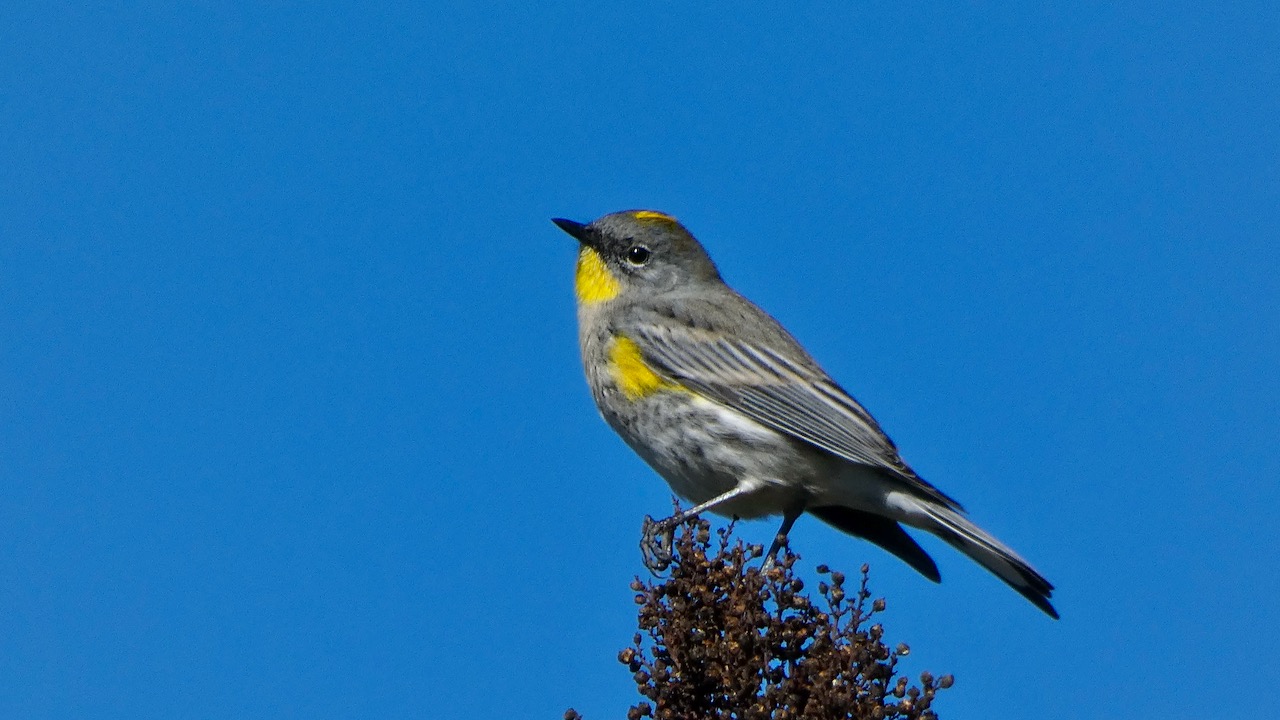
x=657, y=538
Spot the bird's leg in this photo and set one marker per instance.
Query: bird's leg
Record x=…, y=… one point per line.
x=658, y=536
x=789, y=518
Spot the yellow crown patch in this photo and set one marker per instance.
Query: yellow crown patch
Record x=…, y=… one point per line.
x=653, y=215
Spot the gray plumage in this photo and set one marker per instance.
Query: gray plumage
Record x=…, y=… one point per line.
x=742, y=418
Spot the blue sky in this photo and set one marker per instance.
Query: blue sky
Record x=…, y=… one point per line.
x=292, y=422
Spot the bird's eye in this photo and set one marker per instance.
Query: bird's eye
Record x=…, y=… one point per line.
x=638, y=255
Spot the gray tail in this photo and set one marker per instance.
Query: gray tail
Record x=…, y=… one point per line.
x=990, y=553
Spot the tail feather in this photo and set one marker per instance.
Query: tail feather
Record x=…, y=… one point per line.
x=882, y=531
x=962, y=534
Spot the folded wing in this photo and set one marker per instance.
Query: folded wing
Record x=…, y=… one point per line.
x=795, y=397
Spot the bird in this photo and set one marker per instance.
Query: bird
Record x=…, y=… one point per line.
x=727, y=406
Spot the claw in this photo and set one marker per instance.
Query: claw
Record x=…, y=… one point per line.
x=657, y=538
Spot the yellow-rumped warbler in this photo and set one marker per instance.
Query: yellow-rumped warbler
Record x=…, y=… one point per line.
x=727, y=407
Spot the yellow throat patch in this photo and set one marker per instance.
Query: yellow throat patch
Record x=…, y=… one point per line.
x=634, y=377
x=592, y=281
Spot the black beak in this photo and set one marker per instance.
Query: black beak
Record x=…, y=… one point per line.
x=576, y=229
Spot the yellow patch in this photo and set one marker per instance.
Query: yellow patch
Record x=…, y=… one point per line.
x=634, y=377
x=653, y=215
x=592, y=281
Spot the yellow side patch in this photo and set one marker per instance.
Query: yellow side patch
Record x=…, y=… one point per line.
x=592, y=281
x=653, y=215
x=634, y=377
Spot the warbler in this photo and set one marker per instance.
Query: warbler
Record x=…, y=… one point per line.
x=735, y=415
